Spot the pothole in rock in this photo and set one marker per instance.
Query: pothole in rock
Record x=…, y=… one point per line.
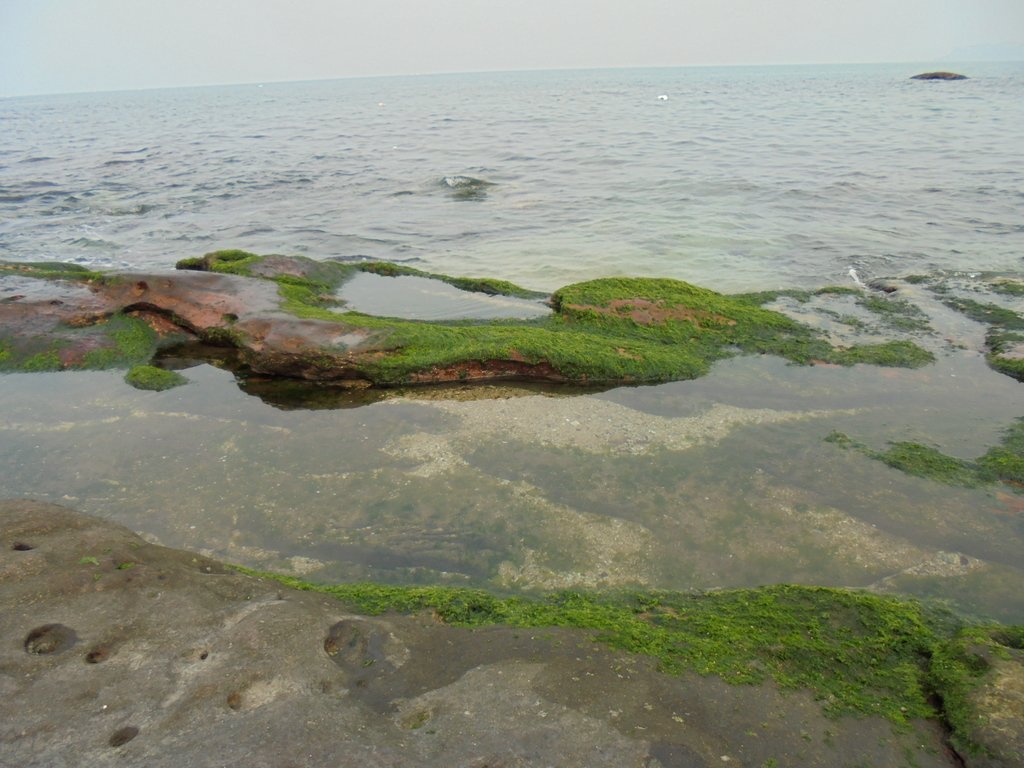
x=50, y=638
x=122, y=736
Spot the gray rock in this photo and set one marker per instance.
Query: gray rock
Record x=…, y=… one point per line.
x=118, y=652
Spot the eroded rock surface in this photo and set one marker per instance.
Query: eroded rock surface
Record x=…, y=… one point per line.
x=118, y=652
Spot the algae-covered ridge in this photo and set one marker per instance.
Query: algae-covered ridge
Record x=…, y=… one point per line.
x=636, y=330
x=860, y=653
x=612, y=330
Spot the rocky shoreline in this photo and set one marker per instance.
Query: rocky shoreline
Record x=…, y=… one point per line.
x=115, y=651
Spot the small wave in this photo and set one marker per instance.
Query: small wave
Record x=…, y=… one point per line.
x=39, y=159
x=89, y=242
x=130, y=151
x=125, y=162
x=131, y=210
x=466, y=187
x=464, y=182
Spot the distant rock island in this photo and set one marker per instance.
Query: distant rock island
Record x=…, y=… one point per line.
x=939, y=76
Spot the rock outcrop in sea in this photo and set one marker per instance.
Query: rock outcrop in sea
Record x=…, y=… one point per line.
x=283, y=317
x=939, y=76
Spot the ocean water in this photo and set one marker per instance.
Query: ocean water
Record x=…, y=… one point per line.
x=742, y=178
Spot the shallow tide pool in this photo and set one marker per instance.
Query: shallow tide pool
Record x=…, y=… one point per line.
x=719, y=482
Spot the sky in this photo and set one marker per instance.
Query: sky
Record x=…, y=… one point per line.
x=58, y=46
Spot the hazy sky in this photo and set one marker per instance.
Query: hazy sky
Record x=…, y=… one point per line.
x=49, y=46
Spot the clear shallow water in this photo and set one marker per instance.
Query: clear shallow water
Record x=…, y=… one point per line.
x=419, y=298
x=722, y=481
x=745, y=178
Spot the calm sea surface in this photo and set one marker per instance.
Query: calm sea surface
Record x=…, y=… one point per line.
x=742, y=178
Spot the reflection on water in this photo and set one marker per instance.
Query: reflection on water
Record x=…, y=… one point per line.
x=421, y=298
x=722, y=481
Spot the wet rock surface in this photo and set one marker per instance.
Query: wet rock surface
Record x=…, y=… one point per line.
x=114, y=651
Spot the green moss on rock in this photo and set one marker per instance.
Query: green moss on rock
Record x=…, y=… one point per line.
x=49, y=270
x=860, y=653
x=155, y=379
x=959, y=668
x=231, y=261
x=1002, y=463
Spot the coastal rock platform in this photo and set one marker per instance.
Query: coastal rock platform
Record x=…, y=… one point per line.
x=115, y=651
x=282, y=316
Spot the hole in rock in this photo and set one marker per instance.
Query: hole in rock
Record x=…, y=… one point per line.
x=20, y=546
x=50, y=638
x=123, y=735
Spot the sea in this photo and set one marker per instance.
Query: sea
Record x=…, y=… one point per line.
x=735, y=178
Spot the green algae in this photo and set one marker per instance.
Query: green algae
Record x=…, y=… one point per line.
x=959, y=667
x=860, y=653
x=327, y=275
x=116, y=342
x=1005, y=332
x=1002, y=463
x=154, y=379
x=595, y=335
x=133, y=340
x=229, y=261
x=988, y=314
x=1008, y=288
x=899, y=314
x=486, y=285
x=40, y=362
x=49, y=270
x=925, y=461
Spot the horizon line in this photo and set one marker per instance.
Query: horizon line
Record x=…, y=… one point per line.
x=443, y=73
